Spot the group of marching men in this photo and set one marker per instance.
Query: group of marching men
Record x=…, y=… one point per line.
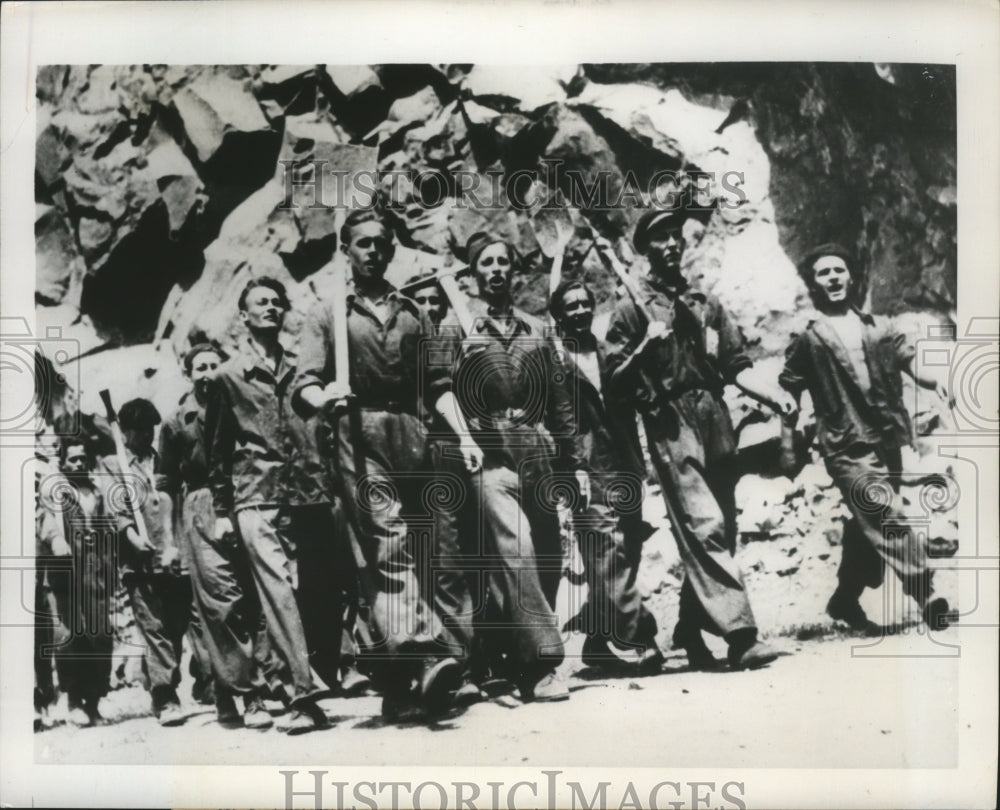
x=388, y=498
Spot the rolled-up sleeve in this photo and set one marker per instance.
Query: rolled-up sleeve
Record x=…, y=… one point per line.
x=905, y=348
x=625, y=332
x=436, y=360
x=793, y=377
x=315, y=355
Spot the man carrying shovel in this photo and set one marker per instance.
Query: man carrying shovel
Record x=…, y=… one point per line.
x=360, y=365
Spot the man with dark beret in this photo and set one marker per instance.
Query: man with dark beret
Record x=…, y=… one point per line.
x=852, y=362
x=507, y=382
x=671, y=354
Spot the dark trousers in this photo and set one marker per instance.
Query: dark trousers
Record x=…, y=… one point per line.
x=875, y=537
x=73, y=627
x=381, y=461
x=700, y=497
x=614, y=610
x=161, y=604
x=452, y=586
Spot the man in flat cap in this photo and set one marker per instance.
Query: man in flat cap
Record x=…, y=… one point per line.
x=671, y=352
x=852, y=363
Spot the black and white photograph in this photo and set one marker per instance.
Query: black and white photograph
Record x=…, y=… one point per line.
x=607, y=417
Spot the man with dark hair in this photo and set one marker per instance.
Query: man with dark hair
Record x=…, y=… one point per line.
x=852, y=363
x=380, y=443
x=671, y=352
x=608, y=527
x=78, y=539
x=226, y=610
x=506, y=382
x=265, y=474
x=159, y=591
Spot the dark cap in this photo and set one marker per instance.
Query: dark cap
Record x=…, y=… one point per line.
x=826, y=249
x=656, y=219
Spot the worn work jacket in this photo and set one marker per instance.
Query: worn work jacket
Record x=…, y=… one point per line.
x=683, y=375
x=261, y=454
x=388, y=370
x=846, y=415
x=509, y=386
x=607, y=441
x=183, y=455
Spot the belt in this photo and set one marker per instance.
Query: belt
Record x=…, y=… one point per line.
x=504, y=418
x=388, y=405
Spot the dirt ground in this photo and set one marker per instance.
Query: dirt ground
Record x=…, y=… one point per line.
x=830, y=700
x=827, y=702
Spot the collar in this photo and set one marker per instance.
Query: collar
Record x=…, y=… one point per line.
x=189, y=407
x=670, y=290
x=251, y=359
x=132, y=458
x=866, y=317
x=522, y=323
x=391, y=296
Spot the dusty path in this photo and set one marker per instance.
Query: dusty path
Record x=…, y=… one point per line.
x=817, y=706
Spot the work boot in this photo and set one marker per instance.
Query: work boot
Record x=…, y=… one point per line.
x=843, y=608
x=306, y=716
x=171, y=715
x=937, y=614
x=468, y=693
x=699, y=657
x=78, y=715
x=596, y=653
x=254, y=713
x=651, y=660
x=90, y=707
x=225, y=709
x=203, y=691
x=747, y=652
x=438, y=682
x=549, y=689
x=353, y=683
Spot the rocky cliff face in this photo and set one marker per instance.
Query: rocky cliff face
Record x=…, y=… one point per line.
x=160, y=190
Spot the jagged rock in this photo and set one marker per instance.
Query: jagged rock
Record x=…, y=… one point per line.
x=58, y=265
x=404, y=112
x=212, y=108
x=526, y=87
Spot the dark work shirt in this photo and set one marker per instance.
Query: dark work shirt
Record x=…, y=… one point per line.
x=606, y=437
x=507, y=382
x=260, y=452
x=704, y=350
x=846, y=414
x=183, y=455
x=387, y=370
